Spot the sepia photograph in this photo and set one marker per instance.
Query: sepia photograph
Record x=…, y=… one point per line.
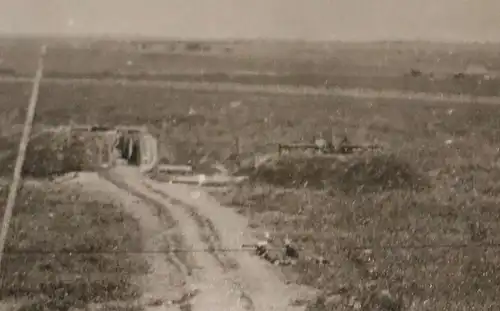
x=223, y=155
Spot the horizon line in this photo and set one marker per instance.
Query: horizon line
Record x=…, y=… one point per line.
x=141, y=37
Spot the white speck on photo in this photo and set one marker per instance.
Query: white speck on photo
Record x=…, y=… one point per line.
x=235, y=104
x=195, y=194
x=201, y=179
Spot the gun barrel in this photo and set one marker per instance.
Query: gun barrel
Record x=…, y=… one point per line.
x=360, y=146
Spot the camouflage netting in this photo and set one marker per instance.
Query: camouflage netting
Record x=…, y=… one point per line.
x=54, y=154
x=368, y=173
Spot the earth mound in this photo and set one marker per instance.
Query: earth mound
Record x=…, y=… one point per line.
x=365, y=173
x=51, y=154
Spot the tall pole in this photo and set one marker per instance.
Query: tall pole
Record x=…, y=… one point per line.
x=23, y=144
x=162, y=144
x=99, y=151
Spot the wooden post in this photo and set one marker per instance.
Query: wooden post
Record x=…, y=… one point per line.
x=162, y=144
x=237, y=150
x=105, y=150
x=130, y=148
x=110, y=143
x=99, y=151
x=114, y=147
x=163, y=130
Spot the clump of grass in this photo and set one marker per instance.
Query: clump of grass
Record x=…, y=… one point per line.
x=47, y=155
x=407, y=243
x=52, y=155
x=379, y=173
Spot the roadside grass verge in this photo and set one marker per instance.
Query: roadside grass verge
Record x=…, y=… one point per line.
x=51, y=154
x=66, y=249
x=390, y=247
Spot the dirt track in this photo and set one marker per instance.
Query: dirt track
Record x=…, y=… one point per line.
x=274, y=89
x=212, y=279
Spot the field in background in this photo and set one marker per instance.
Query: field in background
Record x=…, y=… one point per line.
x=452, y=150
x=208, y=121
x=13, y=104
x=417, y=67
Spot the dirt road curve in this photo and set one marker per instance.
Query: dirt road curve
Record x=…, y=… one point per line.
x=213, y=280
x=275, y=89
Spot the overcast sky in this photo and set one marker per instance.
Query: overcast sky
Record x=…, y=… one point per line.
x=451, y=20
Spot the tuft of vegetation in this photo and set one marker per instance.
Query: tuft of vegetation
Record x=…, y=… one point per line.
x=51, y=154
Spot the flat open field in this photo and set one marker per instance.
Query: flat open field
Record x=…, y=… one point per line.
x=262, y=119
x=418, y=236
x=13, y=102
x=417, y=67
x=419, y=221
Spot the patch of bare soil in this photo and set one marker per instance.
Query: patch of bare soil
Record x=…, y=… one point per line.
x=165, y=283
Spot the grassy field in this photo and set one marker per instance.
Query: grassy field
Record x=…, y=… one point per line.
x=67, y=249
x=378, y=66
x=417, y=233
x=426, y=249
x=425, y=208
x=472, y=85
x=13, y=102
x=417, y=129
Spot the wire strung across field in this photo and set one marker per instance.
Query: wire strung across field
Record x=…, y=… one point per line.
x=457, y=246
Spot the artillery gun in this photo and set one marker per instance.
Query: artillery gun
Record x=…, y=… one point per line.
x=328, y=147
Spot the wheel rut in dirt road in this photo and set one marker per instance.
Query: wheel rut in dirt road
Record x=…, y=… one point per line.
x=226, y=280
x=165, y=285
x=182, y=263
x=208, y=232
x=216, y=290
